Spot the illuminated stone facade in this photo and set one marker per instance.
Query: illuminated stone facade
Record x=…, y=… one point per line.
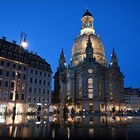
x=25, y=79
x=79, y=47
x=89, y=83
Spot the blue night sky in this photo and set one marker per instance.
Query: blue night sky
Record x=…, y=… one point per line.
x=54, y=24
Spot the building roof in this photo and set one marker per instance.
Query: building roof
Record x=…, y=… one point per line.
x=32, y=59
x=87, y=13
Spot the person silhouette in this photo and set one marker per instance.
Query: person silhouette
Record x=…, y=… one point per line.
x=64, y=111
x=72, y=111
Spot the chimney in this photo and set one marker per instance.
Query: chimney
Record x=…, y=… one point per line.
x=14, y=42
x=4, y=38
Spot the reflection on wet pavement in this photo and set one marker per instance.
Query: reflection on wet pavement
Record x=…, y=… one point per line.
x=70, y=127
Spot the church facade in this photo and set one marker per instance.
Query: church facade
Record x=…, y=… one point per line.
x=89, y=83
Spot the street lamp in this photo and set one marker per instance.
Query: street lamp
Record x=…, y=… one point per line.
x=24, y=44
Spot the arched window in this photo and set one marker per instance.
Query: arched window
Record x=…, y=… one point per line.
x=68, y=87
x=80, y=88
x=90, y=88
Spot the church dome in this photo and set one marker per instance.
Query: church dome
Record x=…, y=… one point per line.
x=80, y=44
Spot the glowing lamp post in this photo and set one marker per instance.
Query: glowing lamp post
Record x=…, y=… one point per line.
x=24, y=44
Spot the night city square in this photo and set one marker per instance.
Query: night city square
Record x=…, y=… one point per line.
x=69, y=69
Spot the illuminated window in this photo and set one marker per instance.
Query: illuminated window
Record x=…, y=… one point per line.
x=90, y=88
x=102, y=106
x=80, y=88
x=68, y=86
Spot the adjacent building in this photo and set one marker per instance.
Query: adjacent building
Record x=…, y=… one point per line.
x=88, y=83
x=25, y=79
x=132, y=99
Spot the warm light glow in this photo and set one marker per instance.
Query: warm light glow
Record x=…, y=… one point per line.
x=129, y=117
x=2, y=119
x=87, y=31
x=24, y=44
x=39, y=103
x=38, y=122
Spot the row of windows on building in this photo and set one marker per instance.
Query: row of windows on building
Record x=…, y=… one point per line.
x=17, y=66
x=79, y=95
x=38, y=90
x=38, y=99
x=22, y=98
x=90, y=88
x=131, y=97
x=25, y=59
x=134, y=102
x=39, y=73
x=37, y=81
x=6, y=84
x=23, y=77
x=11, y=65
x=11, y=96
x=31, y=90
x=12, y=74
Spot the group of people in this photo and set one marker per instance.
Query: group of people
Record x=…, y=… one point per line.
x=65, y=111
